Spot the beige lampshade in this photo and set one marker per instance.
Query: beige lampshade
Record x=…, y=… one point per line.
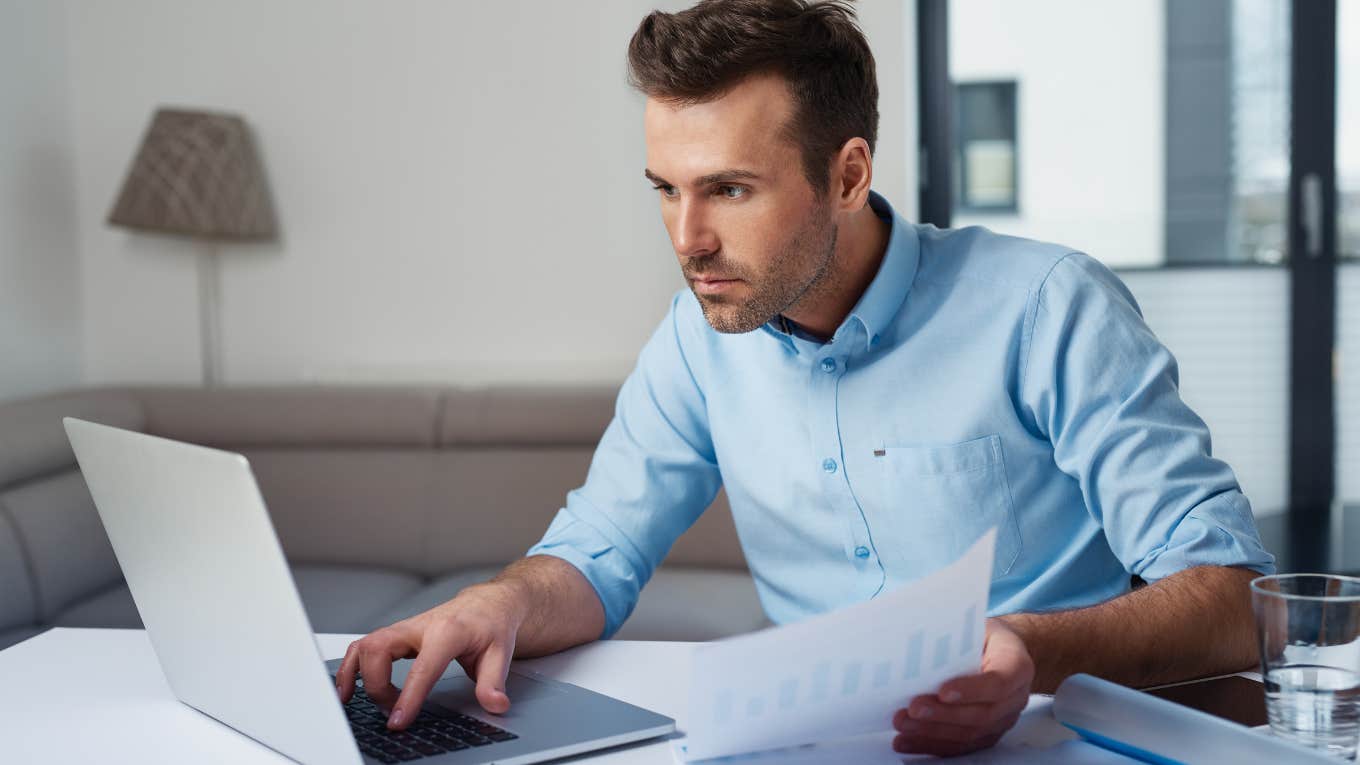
x=197, y=174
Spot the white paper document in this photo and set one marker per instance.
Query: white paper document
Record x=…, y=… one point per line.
x=843, y=673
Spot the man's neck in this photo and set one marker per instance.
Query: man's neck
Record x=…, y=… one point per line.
x=860, y=245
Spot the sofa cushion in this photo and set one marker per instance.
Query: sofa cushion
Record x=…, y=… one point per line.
x=419, y=510
x=361, y=507
x=314, y=416
x=18, y=599
x=491, y=505
x=677, y=604
x=67, y=547
x=336, y=599
x=32, y=440
x=526, y=416
x=345, y=599
x=111, y=608
x=694, y=604
x=19, y=634
x=431, y=595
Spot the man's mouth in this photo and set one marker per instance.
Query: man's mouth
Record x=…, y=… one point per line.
x=712, y=285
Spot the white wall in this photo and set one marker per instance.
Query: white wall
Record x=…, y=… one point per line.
x=1090, y=117
x=459, y=186
x=39, y=285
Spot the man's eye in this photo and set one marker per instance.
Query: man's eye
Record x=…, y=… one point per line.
x=732, y=192
x=668, y=191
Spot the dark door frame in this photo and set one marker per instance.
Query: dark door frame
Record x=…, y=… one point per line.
x=1312, y=266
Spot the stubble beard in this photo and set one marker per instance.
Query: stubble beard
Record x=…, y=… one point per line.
x=785, y=283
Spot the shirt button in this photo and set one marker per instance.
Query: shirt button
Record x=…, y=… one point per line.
x=861, y=552
x=829, y=465
x=828, y=365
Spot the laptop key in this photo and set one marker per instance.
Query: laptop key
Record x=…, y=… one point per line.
x=450, y=744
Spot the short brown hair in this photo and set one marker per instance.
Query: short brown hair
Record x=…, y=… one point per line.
x=700, y=53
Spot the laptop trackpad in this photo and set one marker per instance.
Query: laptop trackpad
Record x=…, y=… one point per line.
x=457, y=691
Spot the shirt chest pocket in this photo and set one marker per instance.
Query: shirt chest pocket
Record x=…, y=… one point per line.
x=938, y=500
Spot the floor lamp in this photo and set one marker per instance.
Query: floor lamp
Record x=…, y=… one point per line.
x=197, y=175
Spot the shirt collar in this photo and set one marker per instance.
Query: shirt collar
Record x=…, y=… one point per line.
x=884, y=297
x=886, y=293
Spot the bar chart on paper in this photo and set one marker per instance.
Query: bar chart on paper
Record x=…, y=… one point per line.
x=842, y=673
x=828, y=682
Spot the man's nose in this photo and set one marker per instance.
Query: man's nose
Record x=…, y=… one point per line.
x=692, y=236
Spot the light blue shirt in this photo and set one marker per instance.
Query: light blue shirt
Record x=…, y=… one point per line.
x=981, y=381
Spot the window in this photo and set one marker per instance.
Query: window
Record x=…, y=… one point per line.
x=985, y=163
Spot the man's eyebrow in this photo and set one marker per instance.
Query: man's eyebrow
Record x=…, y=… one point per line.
x=733, y=174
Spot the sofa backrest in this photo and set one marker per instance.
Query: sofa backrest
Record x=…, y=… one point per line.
x=420, y=479
x=53, y=550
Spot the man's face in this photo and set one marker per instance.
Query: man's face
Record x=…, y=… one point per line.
x=751, y=234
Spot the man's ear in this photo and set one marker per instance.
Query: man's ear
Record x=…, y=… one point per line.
x=852, y=173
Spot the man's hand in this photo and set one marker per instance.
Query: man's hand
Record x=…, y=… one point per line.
x=477, y=628
x=971, y=712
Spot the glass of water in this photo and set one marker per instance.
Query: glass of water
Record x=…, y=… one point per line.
x=1309, y=631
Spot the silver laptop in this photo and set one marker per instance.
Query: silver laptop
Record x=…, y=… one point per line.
x=220, y=607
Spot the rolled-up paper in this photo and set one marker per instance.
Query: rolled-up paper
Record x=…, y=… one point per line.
x=1156, y=730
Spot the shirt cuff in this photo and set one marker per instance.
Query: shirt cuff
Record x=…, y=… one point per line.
x=1218, y=532
x=607, y=569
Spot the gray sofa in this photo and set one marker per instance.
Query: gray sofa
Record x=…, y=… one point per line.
x=387, y=501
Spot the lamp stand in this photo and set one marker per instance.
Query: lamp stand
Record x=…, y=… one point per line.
x=209, y=312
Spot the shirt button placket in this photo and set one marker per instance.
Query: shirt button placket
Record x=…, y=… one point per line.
x=826, y=373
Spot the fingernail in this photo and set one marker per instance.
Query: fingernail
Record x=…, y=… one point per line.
x=921, y=713
x=396, y=717
x=951, y=696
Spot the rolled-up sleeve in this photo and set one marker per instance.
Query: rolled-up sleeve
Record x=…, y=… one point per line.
x=1102, y=388
x=653, y=474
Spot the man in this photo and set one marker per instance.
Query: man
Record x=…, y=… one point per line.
x=874, y=395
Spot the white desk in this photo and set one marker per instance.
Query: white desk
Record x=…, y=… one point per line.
x=97, y=695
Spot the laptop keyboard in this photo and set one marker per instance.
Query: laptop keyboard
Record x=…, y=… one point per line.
x=432, y=732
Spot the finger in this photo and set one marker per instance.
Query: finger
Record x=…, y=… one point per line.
x=492, y=669
x=376, y=654
x=344, y=676
x=425, y=671
x=926, y=709
x=943, y=731
x=931, y=709
x=909, y=743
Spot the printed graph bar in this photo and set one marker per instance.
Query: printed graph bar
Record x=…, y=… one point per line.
x=850, y=681
x=722, y=707
x=941, y=650
x=966, y=636
x=882, y=674
x=821, y=681
x=755, y=706
x=788, y=693
x=915, y=646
